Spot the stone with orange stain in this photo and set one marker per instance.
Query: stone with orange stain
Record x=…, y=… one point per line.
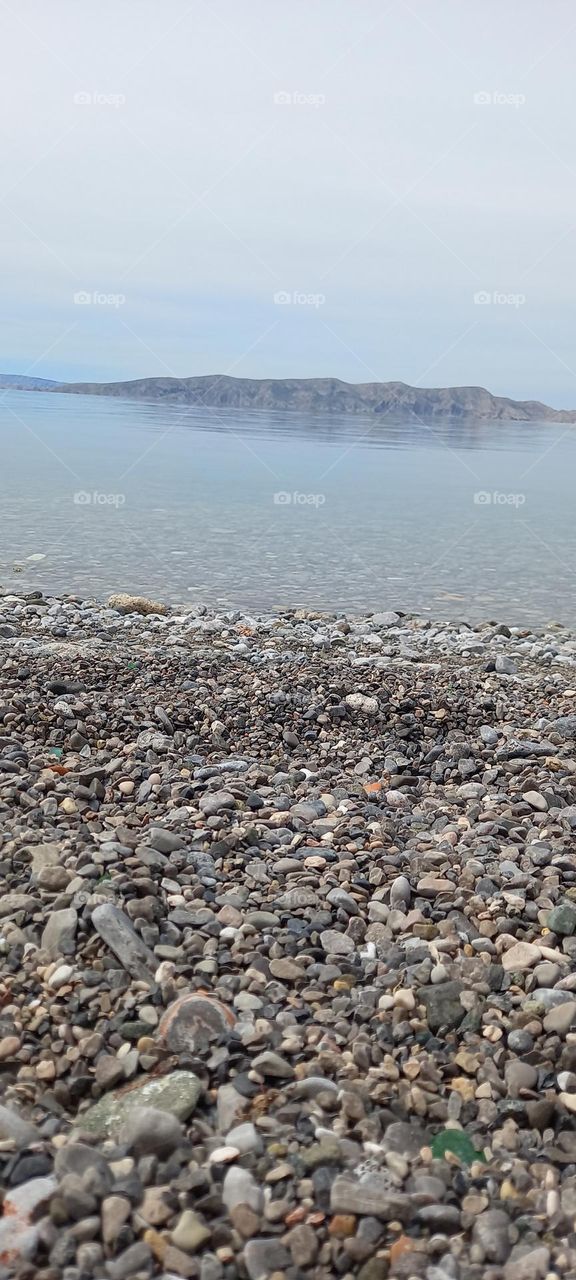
x=157, y=1243
x=194, y=1020
x=342, y=1225
x=373, y=788
x=401, y=1246
x=295, y=1216
x=18, y=1231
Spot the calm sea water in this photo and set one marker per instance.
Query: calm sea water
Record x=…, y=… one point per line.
x=469, y=520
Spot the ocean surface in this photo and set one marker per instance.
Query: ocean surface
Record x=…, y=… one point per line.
x=468, y=520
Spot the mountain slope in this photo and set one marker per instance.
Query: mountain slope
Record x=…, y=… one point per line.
x=22, y=382
x=326, y=395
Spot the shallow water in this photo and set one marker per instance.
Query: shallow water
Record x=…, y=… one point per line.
x=183, y=504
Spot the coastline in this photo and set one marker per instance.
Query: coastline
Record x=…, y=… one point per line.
x=303, y=884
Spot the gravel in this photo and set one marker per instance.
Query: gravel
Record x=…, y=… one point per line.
x=288, y=944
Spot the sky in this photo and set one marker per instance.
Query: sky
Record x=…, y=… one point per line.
x=352, y=188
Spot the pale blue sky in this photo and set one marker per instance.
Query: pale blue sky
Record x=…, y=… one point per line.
x=424, y=155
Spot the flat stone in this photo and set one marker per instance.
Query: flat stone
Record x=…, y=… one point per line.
x=176, y=1093
x=164, y=841
x=215, y=801
x=262, y=1257
x=491, y=1231
x=337, y=944
x=505, y=666
x=561, y=1019
x=59, y=933
x=370, y=1194
x=12, y=903
x=271, y=1064
x=193, y=1021
x=119, y=934
x=443, y=1005
x=525, y=1263
x=521, y=956
x=405, y=1139
x=536, y=800
x=240, y=1187
x=45, y=855
x=430, y=886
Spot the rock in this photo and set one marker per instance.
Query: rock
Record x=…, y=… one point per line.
x=163, y=840
x=505, y=666
x=443, y=1005
x=430, y=886
x=59, y=933
x=372, y=1194
x=78, y=1159
x=562, y=919
x=526, y=1263
x=561, y=1019
x=263, y=1257
x=216, y=801
x=245, y=1138
x=337, y=944
x=491, y=1231
x=134, y=1261
x=176, y=1093
x=271, y=1064
x=19, y=1232
x=124, y=603
x=194, y=1020
x=521, y=956
x=120, y=935
x=239, y=1187
x=14, y=1129
x=405, y=1139
x=361, y=702
x=151, y=1131
x=12, y=903
x=303, y=1244
x=190, y=1232
x=536, y=800
x=114, y=1212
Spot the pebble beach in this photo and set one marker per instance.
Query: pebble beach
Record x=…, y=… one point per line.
x=287, y=945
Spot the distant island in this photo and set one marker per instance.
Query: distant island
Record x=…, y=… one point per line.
x=311, y=395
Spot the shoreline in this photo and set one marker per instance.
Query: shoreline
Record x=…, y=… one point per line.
x=288, y=945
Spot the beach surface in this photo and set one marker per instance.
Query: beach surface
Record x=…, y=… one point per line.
x=288, y=945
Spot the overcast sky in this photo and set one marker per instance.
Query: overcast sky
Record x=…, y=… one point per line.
x=181, y=163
